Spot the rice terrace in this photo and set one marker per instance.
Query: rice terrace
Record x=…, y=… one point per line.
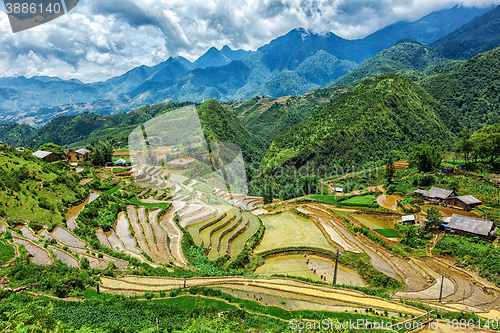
x=304, y=178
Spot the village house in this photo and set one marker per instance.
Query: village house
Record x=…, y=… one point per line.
x=471, y=225
x=79, y=156
x=47, y=156
x=439, y=194
x=408, y=219
x=466, y=202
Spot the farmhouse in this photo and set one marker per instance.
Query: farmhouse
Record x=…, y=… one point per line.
x=47, y=156
x=79, y=156
x=471, y=225
x=339, y=190
x=436, y=193
x=408, y=219
x=467, y=202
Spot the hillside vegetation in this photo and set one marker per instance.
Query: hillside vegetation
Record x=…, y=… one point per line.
x=477, y=36
x=36, y=191
x=379, y=115
x=407, y=57
x=267, y=117
x=470, y=90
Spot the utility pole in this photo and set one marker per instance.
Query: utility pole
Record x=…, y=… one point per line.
x=441, y=291
x=337, y=254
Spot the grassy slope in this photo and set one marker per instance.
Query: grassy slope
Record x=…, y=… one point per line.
x=386, y=113
x=33, y=190
x=470, y=90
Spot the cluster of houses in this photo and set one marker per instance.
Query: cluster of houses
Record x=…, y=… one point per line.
x=73, y=157
x=456, y=223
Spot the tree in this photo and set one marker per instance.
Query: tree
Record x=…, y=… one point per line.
x=465, y=146
x=103, y=152
x=426, y=157
x=52, y=147
x=433, y=216
x=487, y=141
x=390, y=171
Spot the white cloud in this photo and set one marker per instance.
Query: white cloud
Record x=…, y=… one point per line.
x=99, y=39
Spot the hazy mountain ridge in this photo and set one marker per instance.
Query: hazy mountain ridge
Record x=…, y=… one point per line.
x=292, y=64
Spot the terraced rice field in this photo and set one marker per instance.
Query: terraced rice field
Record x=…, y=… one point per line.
x=218, y=232
x=194, y=229
x=40, y=255
x=237, y=244
x=123, y=233
x=73, y=212
x=230, y=235
x=389, y=201
x=64, y=257
x=66, y=237
x=205, y=233
x=160, y=237
x=287, y=229
x=95, y=263
x=293, y=265
x=371, y=221
x=296, y=265
x=174, y=233
x=287, y=288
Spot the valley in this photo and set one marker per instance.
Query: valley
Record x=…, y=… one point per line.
x=316, y=178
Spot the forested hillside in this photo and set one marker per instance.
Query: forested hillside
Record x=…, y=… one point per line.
x=87, y=127
x=379, y=115
x=407, y=57
x=267, y=117
x=470, y=90
x=477, y=36
x=220, y=125
x=16, y=134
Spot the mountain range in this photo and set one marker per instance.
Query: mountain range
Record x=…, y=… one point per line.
x=293, y=64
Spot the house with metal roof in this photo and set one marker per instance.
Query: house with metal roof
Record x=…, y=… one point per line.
x=79, y=156
x=466, y=202
x=471, y=225
x=47, y=156
x=408, y=219
x=435, y=194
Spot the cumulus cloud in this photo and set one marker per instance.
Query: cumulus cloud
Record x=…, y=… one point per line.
x=100, y=39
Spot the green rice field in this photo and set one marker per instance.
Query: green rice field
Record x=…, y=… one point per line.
x=371, y=222
x=287, y=229
x=389, y=233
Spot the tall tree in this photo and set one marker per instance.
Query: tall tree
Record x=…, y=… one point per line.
x=487, y=141
x=103, y=152
x=390, y=171
x=433, y=217
x=426, y=157
x=465, y=146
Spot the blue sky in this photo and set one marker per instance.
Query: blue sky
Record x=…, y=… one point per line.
x=101, y=38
